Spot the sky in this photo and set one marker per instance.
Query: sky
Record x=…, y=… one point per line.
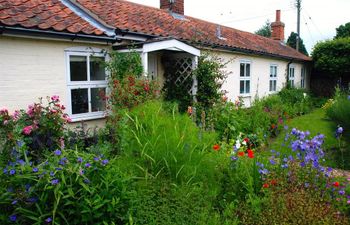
x=319, y=18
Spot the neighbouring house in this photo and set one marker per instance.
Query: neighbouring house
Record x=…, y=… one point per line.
x=53, y=47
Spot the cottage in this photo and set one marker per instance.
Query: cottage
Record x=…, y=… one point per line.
x=53, y=47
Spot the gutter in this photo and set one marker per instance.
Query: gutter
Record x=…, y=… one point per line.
x=54, y=34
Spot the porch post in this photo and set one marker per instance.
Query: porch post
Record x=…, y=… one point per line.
x=194, y=88
x=144, y=58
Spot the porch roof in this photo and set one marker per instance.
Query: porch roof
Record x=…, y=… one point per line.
x=160, y=44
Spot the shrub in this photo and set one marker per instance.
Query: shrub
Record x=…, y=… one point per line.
x=38, y=128
x=339, y=111
x=69, y=187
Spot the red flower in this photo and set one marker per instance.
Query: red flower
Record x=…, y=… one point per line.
x=250, y=153
x=266, y=185
x=216, y=147
x=246, y=140
x=274, y=182
x=240, y=154
x=336, y=184
x=273, y=126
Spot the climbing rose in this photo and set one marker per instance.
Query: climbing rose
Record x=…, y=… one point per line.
x=27, y=130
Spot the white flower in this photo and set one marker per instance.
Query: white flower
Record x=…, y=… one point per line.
x=238, y=145
x=244, y=142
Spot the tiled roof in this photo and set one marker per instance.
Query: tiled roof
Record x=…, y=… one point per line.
x=44, y=15
x=153, y=21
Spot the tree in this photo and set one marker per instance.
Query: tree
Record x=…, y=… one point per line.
x=333, y=57
x=265, y=30
x=343, y=31
x=292, y=42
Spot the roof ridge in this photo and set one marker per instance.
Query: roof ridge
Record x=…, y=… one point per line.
x=89, y=17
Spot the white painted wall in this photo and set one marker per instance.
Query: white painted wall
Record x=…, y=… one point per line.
x=30, y=69
x=260, y=75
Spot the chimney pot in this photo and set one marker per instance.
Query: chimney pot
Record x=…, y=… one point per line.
x=277, y=28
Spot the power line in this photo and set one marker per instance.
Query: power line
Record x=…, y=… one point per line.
x=251, y=18
x=309, y=17
x=307, y=26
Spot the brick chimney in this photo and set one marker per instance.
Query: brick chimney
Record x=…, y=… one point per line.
x=175, y=6
x=277, y=28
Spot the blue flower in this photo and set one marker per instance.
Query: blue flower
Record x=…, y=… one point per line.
x=32, y=199
x=284, y=166
x=86, y=181
x=20, y=162
x=52, y=173
x=340, y=130
x=342, y=192
x=88, y=165
x=273, y=162
x=12, y=171
x=14, y=202
x=57, y=152
x=104, y=162
x=13, y=218
x=35, y=170
x=55, y=181
x=48, y=220
x=80, y=160
x=233, y=158
x=5, y=170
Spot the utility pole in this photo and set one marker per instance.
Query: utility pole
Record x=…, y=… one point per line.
x=298, y=5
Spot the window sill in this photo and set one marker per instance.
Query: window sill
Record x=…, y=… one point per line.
x=245, y=95
x=88, y=116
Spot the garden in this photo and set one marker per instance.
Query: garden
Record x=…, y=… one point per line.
x=164, y=161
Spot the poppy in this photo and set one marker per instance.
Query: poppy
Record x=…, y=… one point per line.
x=274, y=182
x=266, y=185
x=216, y=147
x=250, y=153
x=336, y=184
x=240, y=153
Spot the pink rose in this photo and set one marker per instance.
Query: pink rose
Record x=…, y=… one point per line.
x=5, y=122
x=27, y=130
x=55, y=98
x=30, y=110
x=4, y=111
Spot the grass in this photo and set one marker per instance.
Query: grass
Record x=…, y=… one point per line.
x=317, y=122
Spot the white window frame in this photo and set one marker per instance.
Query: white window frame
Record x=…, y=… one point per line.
x=291, y=76
x=245, y=78
x=273, y=77
x=71, y=85
x=302, y=77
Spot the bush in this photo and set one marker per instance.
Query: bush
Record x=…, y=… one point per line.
x=70, y=187
x=39, y=128
x=339, y=111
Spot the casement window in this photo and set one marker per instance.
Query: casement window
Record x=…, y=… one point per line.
x=244, y=77
x=87, y=85
x=291, y=76
x=302, y=80
x=273, y=78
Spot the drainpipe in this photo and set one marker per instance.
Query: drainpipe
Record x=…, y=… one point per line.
x=287, y=78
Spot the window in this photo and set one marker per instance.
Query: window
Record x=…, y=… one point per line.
x=291, y=76
x=302, y=81
x=273, y=78
x=244, y=75
x=87, y=85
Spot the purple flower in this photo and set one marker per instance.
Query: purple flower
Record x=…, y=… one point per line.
x=104, y=162
x=27, y=187
x=284, y=166
x=48, y=220
x=286, y=127
x=14, y=202
x=273, y=162
x=12, y=171
x=80, y=160
x=97, y=159
x=35, y=170
x=81, y=172
x=57, y=152
x=233, y=158
x=5, y=170
x=86, y=181
x=88, y=165
x=342, y=192
x=32, y=199
x=307, y=184
x=20, y=162
x=340, y=130
x=52, y=174
x=13, y=218
x=63, y=161
x=55, y=181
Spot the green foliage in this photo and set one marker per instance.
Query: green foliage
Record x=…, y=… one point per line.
x=339, y=111
x=333, y=56
x=70, y=187
x=265, y=30
x=162, y=144
x=292, y=42
x=38, y=128
x=343, y=31
x=122, y=65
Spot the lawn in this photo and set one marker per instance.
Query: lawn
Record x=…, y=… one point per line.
x=317, y=122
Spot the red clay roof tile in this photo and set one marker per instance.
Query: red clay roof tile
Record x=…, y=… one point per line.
x=153, y=21
x=43, y=14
